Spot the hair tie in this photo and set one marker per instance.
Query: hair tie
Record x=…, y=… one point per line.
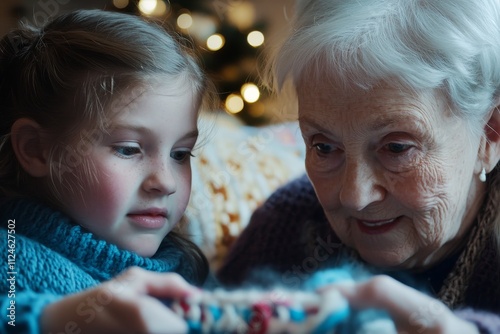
x=21, y=40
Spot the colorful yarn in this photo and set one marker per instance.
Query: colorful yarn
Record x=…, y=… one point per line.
x=260, y=312
x=256, y=311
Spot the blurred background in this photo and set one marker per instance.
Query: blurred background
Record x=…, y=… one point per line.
x=230, y=37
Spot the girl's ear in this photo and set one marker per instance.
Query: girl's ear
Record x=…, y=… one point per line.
x=491, y=141
x=31, y=147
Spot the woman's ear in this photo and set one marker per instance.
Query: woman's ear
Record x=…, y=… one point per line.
x=30, y=147
x=491, y=141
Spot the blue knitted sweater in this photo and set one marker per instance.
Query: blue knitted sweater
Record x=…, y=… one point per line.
x=47, y=256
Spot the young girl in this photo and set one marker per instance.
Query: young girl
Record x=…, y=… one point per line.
x=99, y=119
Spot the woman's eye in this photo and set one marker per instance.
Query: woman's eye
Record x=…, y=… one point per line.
x=400, y=157
x=181, y=155
x=324, y=148
x=398, y=147
x=126, y=151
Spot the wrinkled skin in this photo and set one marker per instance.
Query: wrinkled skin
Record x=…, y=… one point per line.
x=395, y=170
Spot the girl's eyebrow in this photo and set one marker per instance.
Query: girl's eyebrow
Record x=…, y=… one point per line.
x=128, y=127
x=191, y=135
x=144, y=130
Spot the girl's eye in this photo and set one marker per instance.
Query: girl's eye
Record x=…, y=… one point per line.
x=126, y=151
x=181, y=155
x=398, y=147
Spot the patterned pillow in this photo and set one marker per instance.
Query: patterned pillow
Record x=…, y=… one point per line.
x=233, y=173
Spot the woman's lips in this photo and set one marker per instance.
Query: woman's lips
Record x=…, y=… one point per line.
x=377, y=226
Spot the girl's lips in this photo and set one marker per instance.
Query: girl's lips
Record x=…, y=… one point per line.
x=149, y=219
x=377, y=226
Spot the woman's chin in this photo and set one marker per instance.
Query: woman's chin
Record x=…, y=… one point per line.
x=385, y=260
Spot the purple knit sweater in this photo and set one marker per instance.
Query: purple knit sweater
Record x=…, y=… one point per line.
x=289, y=234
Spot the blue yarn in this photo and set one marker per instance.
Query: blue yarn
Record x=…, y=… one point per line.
x=346, y=320
x=326, y=277
x=194, y=327
x=333, y=320
x=297, y=315
x=216, y=312
x=247, y=315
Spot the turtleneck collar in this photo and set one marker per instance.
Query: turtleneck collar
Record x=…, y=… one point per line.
x=100, y=259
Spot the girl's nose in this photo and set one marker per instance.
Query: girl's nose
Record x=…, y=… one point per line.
x=160, y=180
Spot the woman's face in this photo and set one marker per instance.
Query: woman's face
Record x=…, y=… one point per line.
x=395, y=171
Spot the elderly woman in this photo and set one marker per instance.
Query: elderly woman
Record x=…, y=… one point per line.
x=398, y=108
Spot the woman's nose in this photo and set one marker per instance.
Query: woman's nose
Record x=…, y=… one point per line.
x=160, y=179
x=359, y=187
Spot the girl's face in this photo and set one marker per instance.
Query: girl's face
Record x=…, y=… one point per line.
x=138, y=178
x=395, y=172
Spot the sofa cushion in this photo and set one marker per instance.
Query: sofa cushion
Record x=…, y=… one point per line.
x=234, y=172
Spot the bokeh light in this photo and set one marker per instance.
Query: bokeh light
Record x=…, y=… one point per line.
x=234, y=103
x=255, y=38
x=215, y=42
x=257, y=109
x=147, y=7
x=120, y=4
x=241, y=14
x=160, y=9
x=185, y=21
x=250, y=92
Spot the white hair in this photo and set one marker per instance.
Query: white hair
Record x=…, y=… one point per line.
x=453, y=45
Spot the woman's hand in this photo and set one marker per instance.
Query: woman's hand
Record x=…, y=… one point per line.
x=127, y=304
x=411, y=310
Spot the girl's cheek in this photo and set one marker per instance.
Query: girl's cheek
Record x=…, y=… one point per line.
x=185, y=188
x=108, y=192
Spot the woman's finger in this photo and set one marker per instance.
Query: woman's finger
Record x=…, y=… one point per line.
x=412, y=311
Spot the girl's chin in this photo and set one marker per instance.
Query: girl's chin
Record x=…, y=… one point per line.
x=143, y=248
x=146, y=253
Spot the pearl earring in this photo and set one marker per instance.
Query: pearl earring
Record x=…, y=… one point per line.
x=482, y=176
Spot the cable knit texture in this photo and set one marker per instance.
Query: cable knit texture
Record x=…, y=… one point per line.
x=290, y=234
x=54, y=257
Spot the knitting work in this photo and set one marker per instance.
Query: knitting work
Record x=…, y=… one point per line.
x=278, y=310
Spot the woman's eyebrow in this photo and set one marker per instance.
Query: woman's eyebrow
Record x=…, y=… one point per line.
x=308, y=121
